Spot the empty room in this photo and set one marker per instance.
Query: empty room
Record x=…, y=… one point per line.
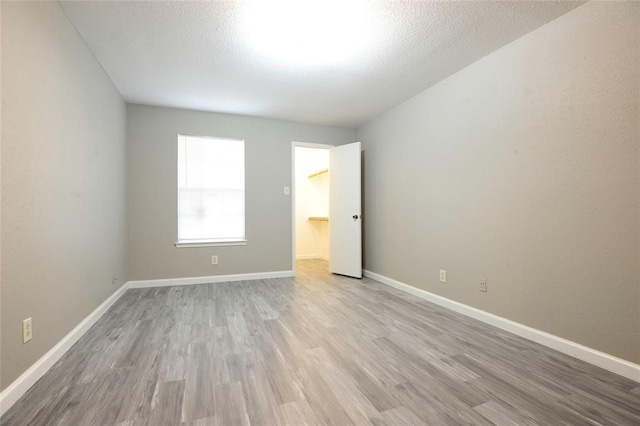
x=305, y=212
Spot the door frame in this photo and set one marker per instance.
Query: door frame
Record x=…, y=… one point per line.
x=294, y=145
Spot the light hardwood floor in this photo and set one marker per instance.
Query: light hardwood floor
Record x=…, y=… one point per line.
x=317, y=349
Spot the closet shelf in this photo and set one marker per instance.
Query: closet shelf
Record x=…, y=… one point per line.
x=318, y=173
x=319, y=218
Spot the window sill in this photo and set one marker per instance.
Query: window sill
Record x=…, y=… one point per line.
x=212, y=243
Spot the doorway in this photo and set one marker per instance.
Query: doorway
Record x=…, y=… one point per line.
x=310, y=204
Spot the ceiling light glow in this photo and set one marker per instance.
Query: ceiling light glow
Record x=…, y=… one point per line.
x=308, y=32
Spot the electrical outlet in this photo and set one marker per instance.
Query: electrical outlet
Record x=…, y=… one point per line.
x=443, y=276
x=483, y=284
x=214, y=260
x=114, y=280
x=27, y=332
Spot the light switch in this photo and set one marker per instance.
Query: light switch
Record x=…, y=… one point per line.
x=287, y=190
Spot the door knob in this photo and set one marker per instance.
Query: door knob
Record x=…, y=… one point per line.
x=355, y=217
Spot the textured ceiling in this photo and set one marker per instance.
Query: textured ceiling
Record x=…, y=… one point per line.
x=201, y=55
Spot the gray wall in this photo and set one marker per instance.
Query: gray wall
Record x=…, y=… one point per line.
x=524, y=169
x=63, y=182
x=152, y=195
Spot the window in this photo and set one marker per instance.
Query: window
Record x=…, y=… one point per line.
x=210, y=191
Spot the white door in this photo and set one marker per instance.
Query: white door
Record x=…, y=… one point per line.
x=345, y=211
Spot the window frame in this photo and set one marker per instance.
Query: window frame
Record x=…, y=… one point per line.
x=210, y=242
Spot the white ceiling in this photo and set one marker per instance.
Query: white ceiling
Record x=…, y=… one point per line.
x=208, y=55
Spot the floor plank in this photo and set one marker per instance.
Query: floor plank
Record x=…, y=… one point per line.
x=315, y=349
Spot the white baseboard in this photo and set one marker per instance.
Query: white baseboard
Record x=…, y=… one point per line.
x=15, y=390
x=211, y=279
x=312, y=256
x=576, y=350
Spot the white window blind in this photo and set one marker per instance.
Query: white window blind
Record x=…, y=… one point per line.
x=210, y=190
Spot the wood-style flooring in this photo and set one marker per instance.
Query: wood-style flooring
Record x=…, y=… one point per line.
x=317, y=349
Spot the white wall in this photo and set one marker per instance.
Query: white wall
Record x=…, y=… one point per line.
x=63, y=182
x=312, y=199
x=522, y=168
x=152, y=195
